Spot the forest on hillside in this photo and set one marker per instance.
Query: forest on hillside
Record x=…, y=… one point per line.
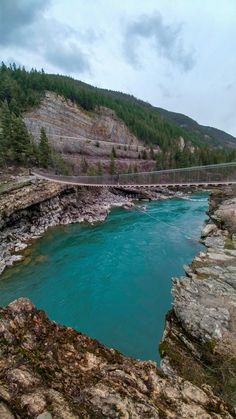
x=21, y=90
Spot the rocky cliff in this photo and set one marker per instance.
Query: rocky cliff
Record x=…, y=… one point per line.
x=28, y=207
x=77, y=133
x=50, y=371
x=199, y=342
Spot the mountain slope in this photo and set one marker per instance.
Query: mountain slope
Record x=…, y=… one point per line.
x=210, y=135
x=179, y=140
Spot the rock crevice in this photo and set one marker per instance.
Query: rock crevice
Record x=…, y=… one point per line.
x=201, y=327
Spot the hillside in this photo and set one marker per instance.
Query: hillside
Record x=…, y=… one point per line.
x=87, y=140
x=210, y=135
x=160, y=139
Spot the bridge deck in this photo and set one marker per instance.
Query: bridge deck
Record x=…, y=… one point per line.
x=218, y=174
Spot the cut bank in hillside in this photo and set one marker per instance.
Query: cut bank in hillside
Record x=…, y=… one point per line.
x=176, y=146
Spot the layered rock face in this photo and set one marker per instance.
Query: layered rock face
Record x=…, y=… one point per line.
x=28, y=207
x=51, y=371
x=77, y=133
x=199, y=342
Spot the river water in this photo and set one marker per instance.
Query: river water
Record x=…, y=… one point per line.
x=112, y=280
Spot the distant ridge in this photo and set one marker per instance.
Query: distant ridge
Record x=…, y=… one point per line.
x=169, y=139
x=214, y=136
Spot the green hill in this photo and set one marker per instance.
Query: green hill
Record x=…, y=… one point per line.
x=21, y=90
x=208, y=135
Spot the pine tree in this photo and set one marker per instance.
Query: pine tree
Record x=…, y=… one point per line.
x=15, y=141
x=44, y=150
x=112, y=165
x=21, y=141
x=113, y=151
x=152, y=154
x=144, y=154
x=58, y=163
x=5, y=133
x=99, y=169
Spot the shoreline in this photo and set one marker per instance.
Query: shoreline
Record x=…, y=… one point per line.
x=201, y=328
x=198, y=367
x=49, y=205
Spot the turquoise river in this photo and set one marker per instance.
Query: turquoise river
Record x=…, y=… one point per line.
x=112, y=280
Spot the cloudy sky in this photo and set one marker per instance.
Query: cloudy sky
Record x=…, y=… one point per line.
x=176, y=54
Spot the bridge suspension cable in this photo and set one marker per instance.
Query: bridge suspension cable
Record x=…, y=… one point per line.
x=214, y=174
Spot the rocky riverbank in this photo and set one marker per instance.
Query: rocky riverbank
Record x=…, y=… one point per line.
x=199, y=343
x=28, y=207
x=50, y=371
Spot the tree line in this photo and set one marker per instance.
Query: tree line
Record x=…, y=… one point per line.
x=21, y=90
x=17, y=145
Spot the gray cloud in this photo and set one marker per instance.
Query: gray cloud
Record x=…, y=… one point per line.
x=167, y=93
x=23, y=24
x=16, y=16
x=166, y=40
x=68, y=58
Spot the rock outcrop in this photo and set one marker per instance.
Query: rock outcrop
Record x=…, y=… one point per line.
x=51, y=371
x=199, y=342
x=28, y=207
x=32, y=206
x=77, y=133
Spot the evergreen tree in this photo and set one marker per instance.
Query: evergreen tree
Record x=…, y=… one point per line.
x=21, y=90
x=99, y=169
x=113, y=151
x=21, y=141
x=144, y=154
x=5, y=133
x=112, y=165
x=59, y=164
x=44, y=150
x=159, y=161
x=152, y=154
x=15, y=141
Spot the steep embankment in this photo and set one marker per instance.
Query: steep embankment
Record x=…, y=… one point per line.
x=49, y=368
x=28, y=207
x=199, y=342
x=94, y=136
x=56, y=372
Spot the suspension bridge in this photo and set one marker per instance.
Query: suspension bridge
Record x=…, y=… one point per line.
x=215, y=174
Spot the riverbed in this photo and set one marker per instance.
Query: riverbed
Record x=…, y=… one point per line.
x=112, y=280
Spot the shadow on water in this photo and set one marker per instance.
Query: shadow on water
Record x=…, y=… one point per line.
x=112, y=280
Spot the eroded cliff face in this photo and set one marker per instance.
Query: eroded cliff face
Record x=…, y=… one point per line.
x=56, y=372
x=77, y=133
x=199, y=342
x=29, y=206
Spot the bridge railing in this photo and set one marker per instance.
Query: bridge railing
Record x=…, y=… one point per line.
x=199, y=174
x=218, y=173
